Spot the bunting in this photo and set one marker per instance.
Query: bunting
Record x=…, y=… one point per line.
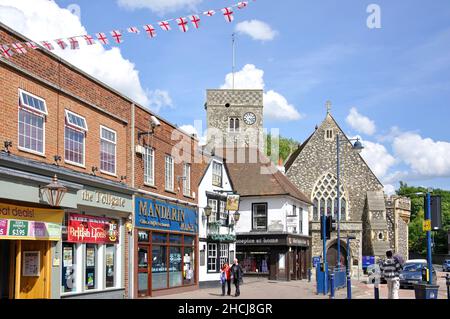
x=7, y=50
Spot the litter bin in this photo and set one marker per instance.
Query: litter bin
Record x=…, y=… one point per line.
x=425, y=291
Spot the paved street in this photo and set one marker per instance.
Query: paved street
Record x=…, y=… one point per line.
x=260, y=288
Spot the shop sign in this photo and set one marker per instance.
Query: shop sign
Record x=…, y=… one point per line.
x=92, y=230
x=261, y=241
x=29, y=230
x=8, y=211
x=155, y=214
x=293, y=241
x=98, y=198
x=232, y=203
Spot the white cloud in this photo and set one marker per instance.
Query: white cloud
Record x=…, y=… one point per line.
x=378, y=158
x=425, y=156
x=159, y=6
x=256, y=29
x=360, y=123
x=190, y=129
x=45, y=20
x=389, y=189
x=276, y=106
x=159, y=99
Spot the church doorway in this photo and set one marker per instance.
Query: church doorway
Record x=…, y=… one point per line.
x=332, y=253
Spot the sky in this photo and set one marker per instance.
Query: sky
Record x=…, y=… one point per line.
x=384, y=65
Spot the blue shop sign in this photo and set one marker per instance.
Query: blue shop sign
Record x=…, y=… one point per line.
x=316, y=261
x=367, y=261
x=161, y=215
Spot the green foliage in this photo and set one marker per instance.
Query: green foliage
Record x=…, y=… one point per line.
x=417, y=237
x=222, y=237
x=286, y=147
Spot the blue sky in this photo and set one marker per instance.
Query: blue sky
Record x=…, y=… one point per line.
x=397, y=77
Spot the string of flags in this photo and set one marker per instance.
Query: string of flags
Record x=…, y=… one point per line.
x=117, y=36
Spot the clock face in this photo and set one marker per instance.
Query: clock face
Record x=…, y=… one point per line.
x=249, y=118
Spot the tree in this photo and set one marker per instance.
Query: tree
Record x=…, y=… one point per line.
x=286, y=147
x=417, y=237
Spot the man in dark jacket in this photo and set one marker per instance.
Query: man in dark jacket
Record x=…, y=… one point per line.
x=391, y=269
x=237, y=273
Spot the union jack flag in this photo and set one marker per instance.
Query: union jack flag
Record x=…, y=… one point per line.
x=133, y=30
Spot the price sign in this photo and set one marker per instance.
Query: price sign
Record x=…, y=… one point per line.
x=18, y=228
x=427, y=225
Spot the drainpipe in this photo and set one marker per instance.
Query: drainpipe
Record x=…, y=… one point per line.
x=130, y=235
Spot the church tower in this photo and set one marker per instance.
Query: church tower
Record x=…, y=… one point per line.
x=234, y=118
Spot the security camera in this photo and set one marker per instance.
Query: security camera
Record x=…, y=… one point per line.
x=154, y=122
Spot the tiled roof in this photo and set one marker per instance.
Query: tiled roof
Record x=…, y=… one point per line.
x=253, y=174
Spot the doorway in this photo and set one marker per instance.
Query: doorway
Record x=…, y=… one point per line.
x=332, y=253
x=25, y=269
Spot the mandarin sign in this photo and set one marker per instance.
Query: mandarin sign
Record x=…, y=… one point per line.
x=92, y=230
x=151, y=213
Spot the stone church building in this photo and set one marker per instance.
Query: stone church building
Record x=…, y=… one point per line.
x=235, y=118
x=379, y=223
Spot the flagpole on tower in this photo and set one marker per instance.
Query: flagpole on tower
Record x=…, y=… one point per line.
x=234, y=57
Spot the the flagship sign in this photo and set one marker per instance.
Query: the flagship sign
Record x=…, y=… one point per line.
x=155, y=214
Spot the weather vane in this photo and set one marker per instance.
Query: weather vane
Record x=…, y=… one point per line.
x=328, y=105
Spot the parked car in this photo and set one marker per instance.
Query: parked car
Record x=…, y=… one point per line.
x=446, y=265
x=412, y=273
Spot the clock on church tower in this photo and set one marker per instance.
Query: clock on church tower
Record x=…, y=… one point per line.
x=249, y=118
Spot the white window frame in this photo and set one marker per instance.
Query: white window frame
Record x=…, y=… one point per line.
x=115, y=266
x=83, y=165
x=224, y=254
x=187, y=179
x=115, y=149
x=214, y=206
x=31, y=110
x=169, y=174
x=219, y=166
x=147, y=180
x=222, y=212
x=211, y=256
x=254, y=217
x=80, y=128
x=29, y=107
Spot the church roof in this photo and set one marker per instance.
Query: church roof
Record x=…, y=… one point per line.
x=291, y=159
x=253, y=174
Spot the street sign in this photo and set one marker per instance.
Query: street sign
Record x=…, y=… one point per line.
x=427, y=225
x=316, y=261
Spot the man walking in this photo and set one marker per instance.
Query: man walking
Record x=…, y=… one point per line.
x=391, y=270
x=237, y=273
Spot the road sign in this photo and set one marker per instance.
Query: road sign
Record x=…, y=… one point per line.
x=316, y=261
x=427, y=225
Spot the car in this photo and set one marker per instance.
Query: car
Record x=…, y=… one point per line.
x=412, y=273
x=446, y=265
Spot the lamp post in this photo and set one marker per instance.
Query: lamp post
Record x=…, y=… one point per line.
x=358, y=147
x=428, y=218
x=55, y=192
x=349, y=277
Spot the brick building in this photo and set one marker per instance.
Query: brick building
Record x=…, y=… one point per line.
x=58, y=120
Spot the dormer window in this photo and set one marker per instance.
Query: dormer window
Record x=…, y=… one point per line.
x=329, y=134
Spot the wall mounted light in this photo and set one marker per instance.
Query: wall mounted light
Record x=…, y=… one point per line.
x=129, y=224
x=54, y=191
x=57, y=159
x=237, y=216
x=94, y=169
x=7, y=144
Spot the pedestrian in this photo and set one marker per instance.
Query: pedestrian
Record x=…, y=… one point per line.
x=237, y=273
x=391, y=269
x=225, y=278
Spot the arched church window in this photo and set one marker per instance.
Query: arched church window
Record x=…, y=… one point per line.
x=325, y=194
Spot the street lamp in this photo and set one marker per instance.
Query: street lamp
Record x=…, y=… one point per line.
x=357, y=146
x=207, y=211
x=237, y=215
x=55, y=192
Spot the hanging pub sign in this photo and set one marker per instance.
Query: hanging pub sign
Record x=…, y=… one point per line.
x=232, y=203
x=92, y=229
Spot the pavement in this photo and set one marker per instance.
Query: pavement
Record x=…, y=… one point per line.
x=262, y=288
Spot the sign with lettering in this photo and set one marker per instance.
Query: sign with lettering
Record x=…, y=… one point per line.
x=29, y=230
x=92, y=230
x=232, y=203
x=156, y=214
x=8, y=211
x=103, y=199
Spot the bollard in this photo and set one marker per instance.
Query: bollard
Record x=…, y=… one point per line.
x=309, y=275
x=331, y=286
x=349, y=286
x=447, y=279
x=376, y=292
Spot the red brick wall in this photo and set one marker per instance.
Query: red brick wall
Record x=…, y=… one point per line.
x=166, y=140
x=10, y=82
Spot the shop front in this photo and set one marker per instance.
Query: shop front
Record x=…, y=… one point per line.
x=166, y=237
x=94, y=245
x=27, y=235
x=278, y=256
